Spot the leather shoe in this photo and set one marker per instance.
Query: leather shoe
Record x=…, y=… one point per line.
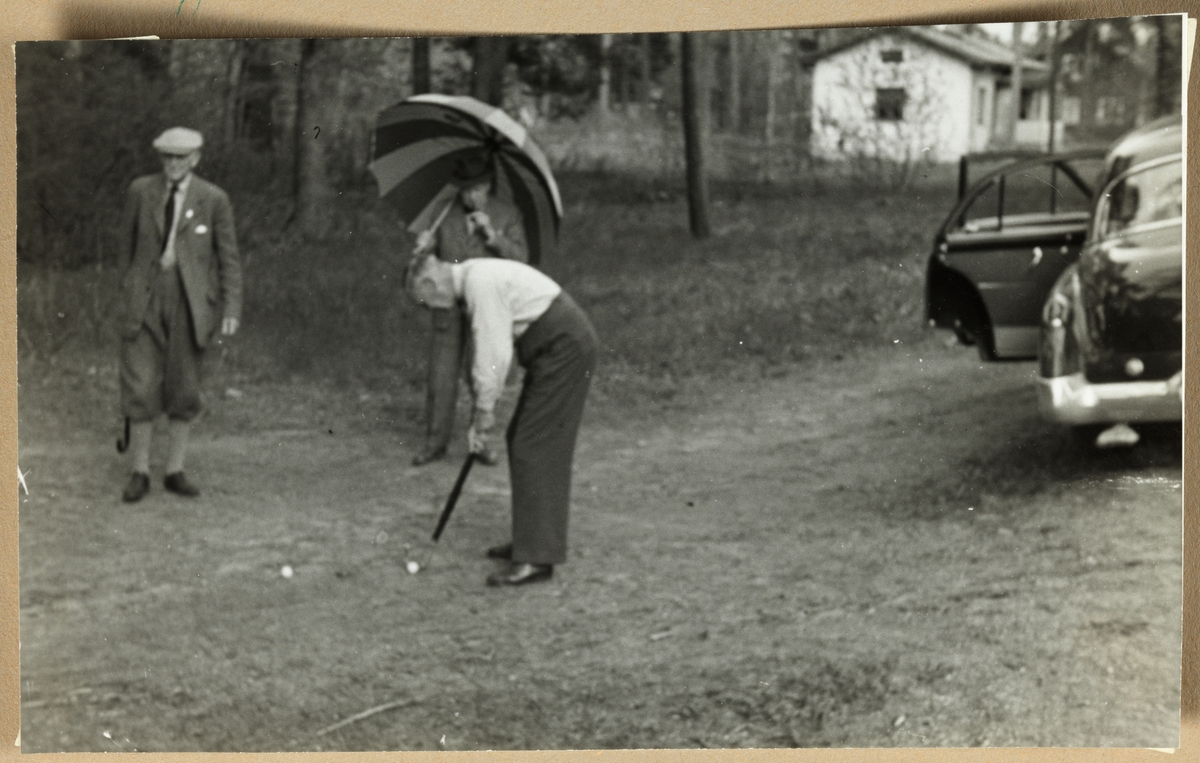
x=136, y=489
x=520, y=574
x=179, y=484
x=503, y=551
x=429, y=455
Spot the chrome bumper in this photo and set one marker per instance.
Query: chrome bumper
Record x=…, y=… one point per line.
x=1072, y=400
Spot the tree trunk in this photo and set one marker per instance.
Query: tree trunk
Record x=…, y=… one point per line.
x=647, y=72
x=733, y=102
x=772, y=84
x=283, y=110
x=1087, y=96
x=1014, y=116
x=487, y=80
x=1053, y=106
x=695, y=130
x=313, y=210
x=626, y=68
x=233, y=94
x=420, y=66
x=604, y=92
x=1165, y=86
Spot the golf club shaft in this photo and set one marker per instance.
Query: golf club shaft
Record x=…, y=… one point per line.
x=453, y=499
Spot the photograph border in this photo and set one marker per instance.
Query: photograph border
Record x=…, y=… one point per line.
x=101, y=19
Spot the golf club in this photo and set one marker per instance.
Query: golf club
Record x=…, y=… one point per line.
x=454, y=493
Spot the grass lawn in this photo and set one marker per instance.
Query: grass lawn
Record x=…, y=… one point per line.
x=798, y=518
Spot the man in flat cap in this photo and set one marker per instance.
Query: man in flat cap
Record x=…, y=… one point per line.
x=182, y=285
x=478, y=224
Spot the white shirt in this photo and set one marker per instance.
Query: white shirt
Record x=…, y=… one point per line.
x=502, y=298
x=168, y=255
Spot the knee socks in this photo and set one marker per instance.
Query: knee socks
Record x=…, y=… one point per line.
x=140, y=434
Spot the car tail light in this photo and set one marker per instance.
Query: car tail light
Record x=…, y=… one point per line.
x=1134, y=367
x=1058, y=353
x=1057, y=308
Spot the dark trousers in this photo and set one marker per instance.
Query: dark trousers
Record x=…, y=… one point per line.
x=446, y=345
x=558, y=352
x=160, y=367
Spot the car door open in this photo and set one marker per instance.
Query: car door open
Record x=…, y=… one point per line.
x=1002, y=247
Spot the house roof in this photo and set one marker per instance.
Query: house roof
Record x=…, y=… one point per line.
x=978, y=51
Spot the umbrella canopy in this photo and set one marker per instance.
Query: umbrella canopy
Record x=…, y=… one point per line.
x=421, y=141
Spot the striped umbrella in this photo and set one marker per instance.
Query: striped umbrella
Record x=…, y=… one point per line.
x=420, y=141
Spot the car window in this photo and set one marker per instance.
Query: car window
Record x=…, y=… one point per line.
x=1145, y=196
x=1031, y=194
x=1043, y=189
x=982, y=213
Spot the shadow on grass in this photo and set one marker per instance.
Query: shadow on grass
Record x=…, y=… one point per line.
x=1043, y=460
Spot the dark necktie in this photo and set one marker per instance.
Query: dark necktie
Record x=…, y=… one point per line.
x=169, y=215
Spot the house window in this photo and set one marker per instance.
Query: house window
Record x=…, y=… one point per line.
x=889, y=103
x=981, y=107
x=1031, y=104
x=893, y=56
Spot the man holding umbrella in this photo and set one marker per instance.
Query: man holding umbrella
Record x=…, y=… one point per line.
x=474, y=185
x=476, y=223
x=509, y=307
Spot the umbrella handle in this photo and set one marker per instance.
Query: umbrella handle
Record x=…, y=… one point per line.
x=436, y=224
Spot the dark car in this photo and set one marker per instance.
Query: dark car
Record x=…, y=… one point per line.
x=1110, y=348
x=1003, y=246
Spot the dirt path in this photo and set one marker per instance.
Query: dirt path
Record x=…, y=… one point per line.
x=886, y=550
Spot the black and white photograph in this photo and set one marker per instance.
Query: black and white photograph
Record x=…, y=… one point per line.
x=779, y=388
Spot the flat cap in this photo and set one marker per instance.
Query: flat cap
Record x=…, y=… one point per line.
x=178, y=140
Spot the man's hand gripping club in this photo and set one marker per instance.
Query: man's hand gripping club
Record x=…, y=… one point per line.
x=479, y=436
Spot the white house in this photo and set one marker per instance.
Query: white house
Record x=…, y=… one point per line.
x=906, y=93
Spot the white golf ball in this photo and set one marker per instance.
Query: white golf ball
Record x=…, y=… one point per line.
x=286, y=571
x=412, y=567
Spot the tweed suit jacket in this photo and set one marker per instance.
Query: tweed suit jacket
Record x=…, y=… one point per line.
x=454, y=244
x=205, y=250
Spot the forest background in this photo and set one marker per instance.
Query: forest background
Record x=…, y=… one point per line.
x=288, y=126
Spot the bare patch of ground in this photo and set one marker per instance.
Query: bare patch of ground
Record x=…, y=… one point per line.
x=885, y=550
